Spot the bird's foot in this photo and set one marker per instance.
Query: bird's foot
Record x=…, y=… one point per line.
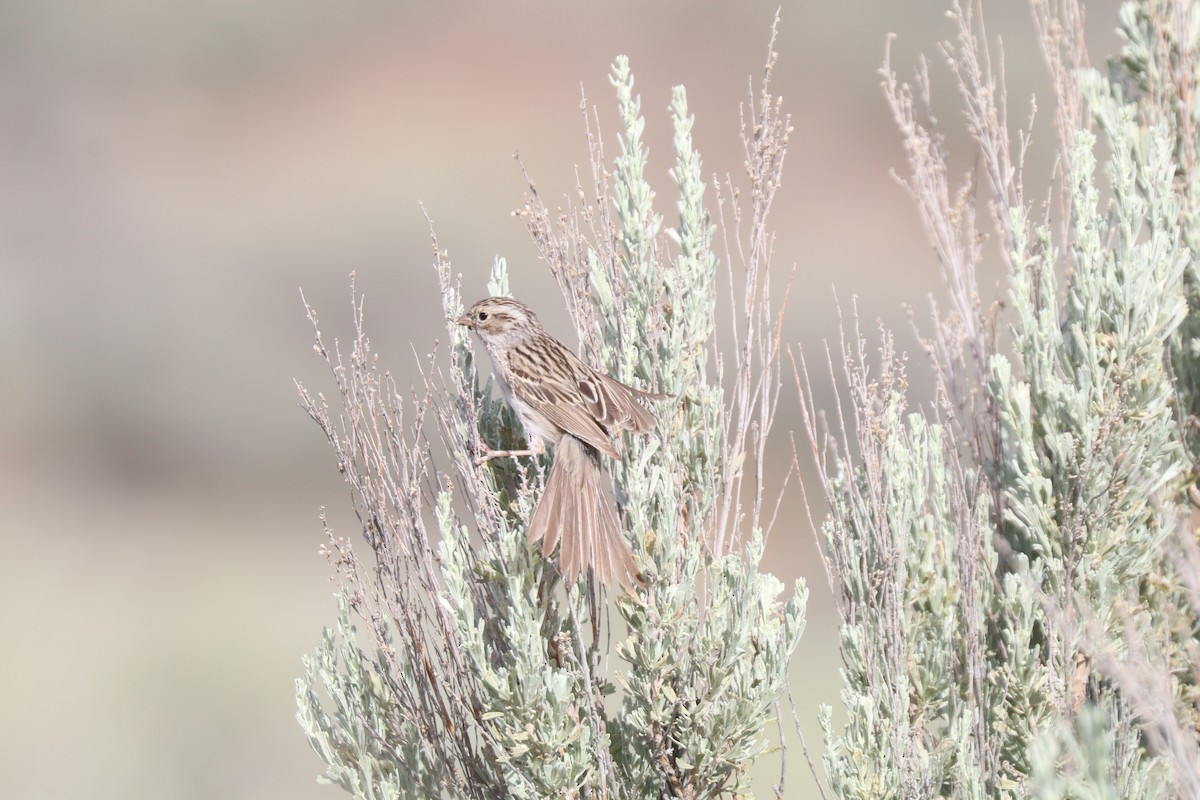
x=486, y=454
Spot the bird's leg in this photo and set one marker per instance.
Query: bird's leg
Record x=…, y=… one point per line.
x=486, y=454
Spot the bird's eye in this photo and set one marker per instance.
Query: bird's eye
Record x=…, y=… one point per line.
x=481, y=316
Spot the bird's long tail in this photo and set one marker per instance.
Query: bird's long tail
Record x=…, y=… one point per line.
x=578, y=509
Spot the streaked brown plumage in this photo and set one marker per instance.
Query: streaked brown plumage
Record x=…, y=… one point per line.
x=561, y=401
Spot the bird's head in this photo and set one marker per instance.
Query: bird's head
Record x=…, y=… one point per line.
x=497, y=319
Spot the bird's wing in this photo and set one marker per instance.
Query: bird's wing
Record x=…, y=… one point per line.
x=569, y=414
x=561, y=405
x=616, y=405
x=589, y=410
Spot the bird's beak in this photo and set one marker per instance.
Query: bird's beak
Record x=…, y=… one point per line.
x=466, y=321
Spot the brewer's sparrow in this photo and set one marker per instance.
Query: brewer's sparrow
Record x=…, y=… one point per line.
x=563, y=402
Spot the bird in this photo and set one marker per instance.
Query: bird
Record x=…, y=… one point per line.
x=564, y=403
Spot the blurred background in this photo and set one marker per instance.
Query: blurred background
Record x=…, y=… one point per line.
x=172, y=173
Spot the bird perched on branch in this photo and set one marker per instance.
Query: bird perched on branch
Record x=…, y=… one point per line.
x=563, y=402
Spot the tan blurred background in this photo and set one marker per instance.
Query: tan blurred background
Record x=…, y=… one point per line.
x=171, y=173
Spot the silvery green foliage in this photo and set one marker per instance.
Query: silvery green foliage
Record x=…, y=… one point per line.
x=673, y=733
x=1156, y=77
x=351, y=731
x=1017, y=578
x=475, y=672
